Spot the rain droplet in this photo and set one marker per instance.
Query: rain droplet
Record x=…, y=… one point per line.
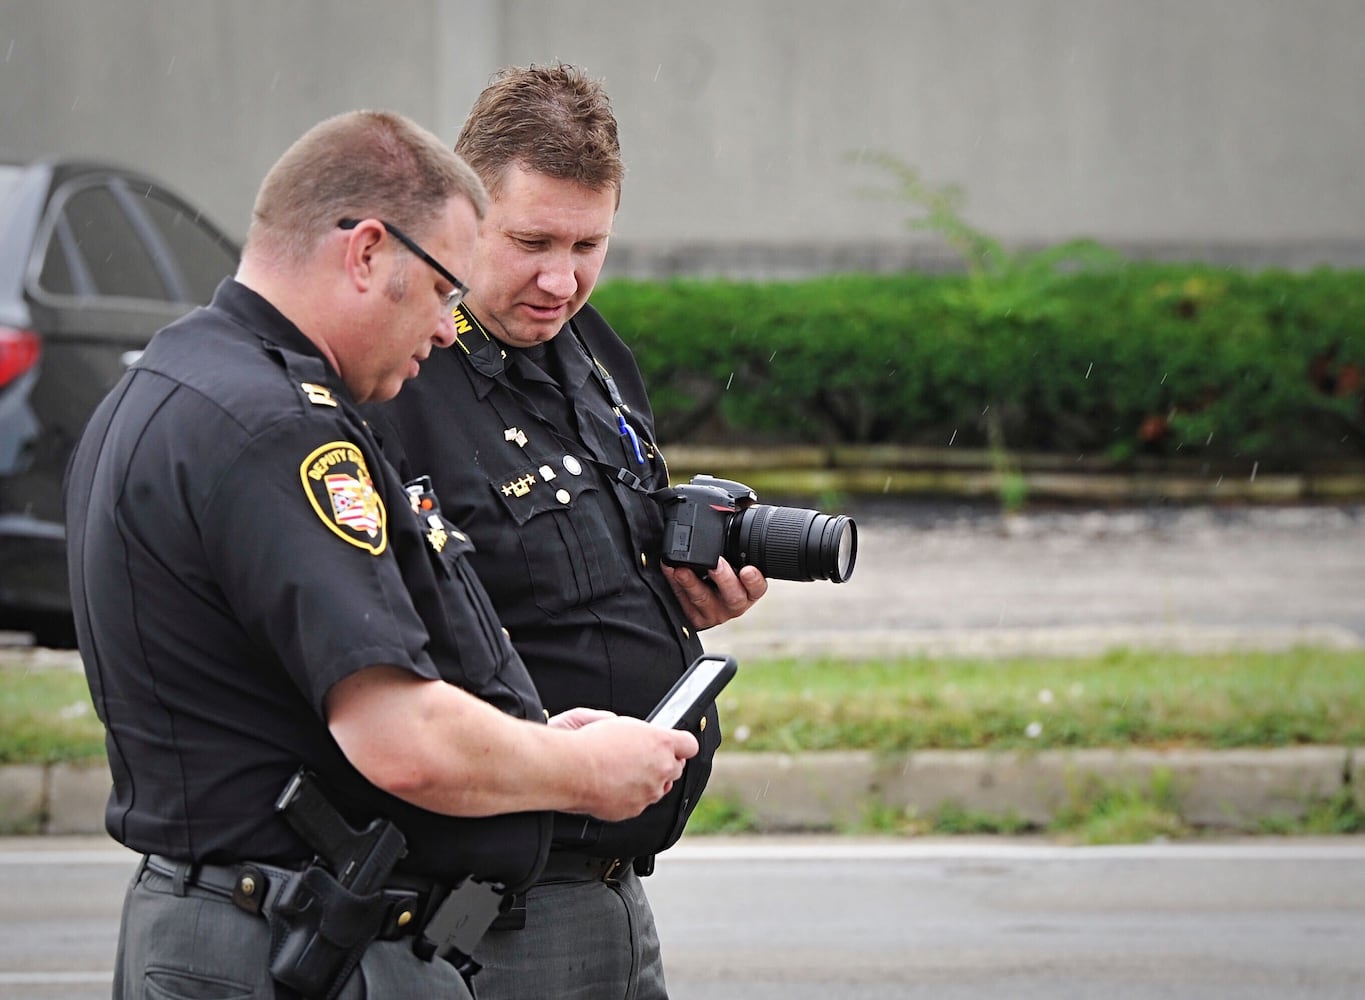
x=729, y=381
x=1254, y=467
x=171, y=66
x=953, y=438
x=9, y=51
x=1090, y=369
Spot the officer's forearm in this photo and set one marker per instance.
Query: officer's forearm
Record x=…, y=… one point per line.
x=438, y=747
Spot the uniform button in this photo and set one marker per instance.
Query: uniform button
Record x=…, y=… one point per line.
x=507, y=633
x=563, y=496
x=644, y=559
x=546, y=473
x=573, y=465
x=686, y=632
x=703, y=723
x=247, y=885
x=405, y=917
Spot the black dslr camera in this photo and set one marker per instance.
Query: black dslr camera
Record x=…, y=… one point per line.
x=710, y=518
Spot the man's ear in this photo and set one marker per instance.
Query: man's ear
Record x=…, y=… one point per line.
x=362, y=253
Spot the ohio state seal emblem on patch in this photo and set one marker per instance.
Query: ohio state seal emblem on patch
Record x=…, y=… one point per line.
x=340, y=489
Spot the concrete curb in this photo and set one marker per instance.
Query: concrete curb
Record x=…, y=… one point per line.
x=1233, y=789
x=814, y=470
x=1229, y=789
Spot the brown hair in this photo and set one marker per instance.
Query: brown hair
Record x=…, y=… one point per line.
x=554, y=120
x=361, y=164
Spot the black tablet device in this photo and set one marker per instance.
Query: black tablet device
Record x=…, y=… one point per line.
x=685, y=704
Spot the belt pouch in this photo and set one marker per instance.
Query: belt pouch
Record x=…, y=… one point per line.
x=319, y=930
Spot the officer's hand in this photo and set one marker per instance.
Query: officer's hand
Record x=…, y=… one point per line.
x=725, y=594
x=577, y=718
x=633, y=765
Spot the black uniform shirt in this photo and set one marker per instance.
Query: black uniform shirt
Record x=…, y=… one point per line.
x=237, y=546
x=523, y=449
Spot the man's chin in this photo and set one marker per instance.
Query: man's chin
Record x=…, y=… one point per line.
x=390, y=387
x=531, y=335
x=538, y=326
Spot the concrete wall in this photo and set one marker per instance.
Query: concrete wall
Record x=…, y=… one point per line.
x=207, y=94
x=1220, y=128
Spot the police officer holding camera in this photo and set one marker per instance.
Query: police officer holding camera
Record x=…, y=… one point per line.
x=335, y=765
x=539, y=436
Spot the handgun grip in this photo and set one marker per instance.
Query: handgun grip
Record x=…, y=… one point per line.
x=360, y=859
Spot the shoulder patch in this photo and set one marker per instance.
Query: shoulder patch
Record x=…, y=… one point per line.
x=338, y=485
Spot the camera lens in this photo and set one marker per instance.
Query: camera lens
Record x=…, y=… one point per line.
x=788, y=543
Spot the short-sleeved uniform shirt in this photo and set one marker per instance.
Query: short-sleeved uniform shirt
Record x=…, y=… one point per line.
x=525, y=450
x=237, y=545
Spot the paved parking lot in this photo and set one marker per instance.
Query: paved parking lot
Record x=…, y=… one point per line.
x=963, y=579
x=954, y=578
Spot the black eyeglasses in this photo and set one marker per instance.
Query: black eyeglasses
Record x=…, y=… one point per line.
x=450, y=300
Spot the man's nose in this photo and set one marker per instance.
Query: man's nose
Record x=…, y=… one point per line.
x=557, y=278
x=445, y=329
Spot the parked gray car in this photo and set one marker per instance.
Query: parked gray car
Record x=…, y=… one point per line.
x=94, y=259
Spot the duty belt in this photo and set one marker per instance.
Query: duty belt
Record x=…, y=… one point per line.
x=254, y=887
x=572, y=866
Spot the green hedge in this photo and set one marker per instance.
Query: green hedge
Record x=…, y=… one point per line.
x=1106, y=357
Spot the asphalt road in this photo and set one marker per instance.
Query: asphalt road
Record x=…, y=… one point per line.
x=754, y=919
x=960, y=920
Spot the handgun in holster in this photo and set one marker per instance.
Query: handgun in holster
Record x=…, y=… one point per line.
x=327, y=916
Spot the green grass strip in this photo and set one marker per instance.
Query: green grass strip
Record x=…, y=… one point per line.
x=1123, y=699
x=46, y=716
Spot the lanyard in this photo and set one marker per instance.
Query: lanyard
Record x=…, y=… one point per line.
x=630, y=440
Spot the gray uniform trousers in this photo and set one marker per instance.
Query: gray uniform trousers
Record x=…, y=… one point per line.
x=584, y=939
x=200, y=946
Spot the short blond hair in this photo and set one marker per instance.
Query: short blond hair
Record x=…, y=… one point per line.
x=360, y=164
x=555, y=120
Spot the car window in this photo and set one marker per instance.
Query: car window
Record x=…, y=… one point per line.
x=56, y=274
x=115, y=261
x=199, y=252
x=9, y=180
